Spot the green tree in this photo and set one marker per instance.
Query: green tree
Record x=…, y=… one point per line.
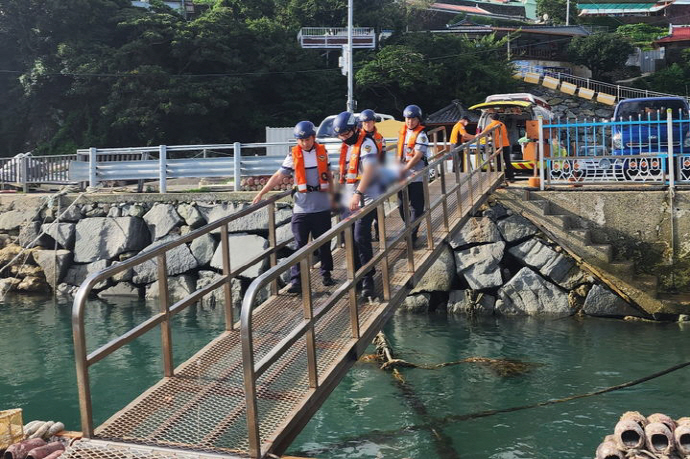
x=556, y=10
x=603, y=53
x=641, y=35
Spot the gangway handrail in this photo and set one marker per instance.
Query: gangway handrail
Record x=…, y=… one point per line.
x=84, y=360
x=251, y=370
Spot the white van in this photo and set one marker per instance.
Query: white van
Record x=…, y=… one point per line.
x=514, y=110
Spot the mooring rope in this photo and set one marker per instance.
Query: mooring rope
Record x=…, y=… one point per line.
x=437, y=422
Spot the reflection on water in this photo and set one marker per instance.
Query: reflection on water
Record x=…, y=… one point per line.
x=368, y=415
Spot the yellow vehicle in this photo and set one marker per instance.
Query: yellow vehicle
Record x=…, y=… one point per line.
x=514, y=111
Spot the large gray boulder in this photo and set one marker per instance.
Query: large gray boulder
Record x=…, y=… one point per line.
x=440, y=275
x=63, y=233
x=76, y=274
x=256, y=221
x=216, y=298
x=191, y=215
x=477, y=230
x=178, y=260
x=13, y=219
x=551, y=264
x=103, y=238
x=161, y=219
x=516, y=228
x=284, y=233
x=530, y=294
x=123, y=289
x=602, y=302
x=495, y=212
x=54, y=264
x=479, y=265
x=471, y=303
x=418, y=303
x=178, y=288
x=203, y=249
x=30, y=236
x=243, y=248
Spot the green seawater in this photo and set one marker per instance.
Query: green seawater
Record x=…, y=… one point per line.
x=369, y=414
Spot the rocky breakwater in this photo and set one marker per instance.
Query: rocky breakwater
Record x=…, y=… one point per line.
x=499, y=263
x=89, y=237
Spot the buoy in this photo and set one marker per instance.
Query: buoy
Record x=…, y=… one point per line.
x=659, y=438
x=682, y=436
x=608, y=450
x=44, y=451
x=662, y=418
x=629, y=434
x=634, y=416
x=21, y=449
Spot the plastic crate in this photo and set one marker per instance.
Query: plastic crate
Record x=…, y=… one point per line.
x=11, y=427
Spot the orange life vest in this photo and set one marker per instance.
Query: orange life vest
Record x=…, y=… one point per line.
x=350, y=172
x=378, y=140
x=300, y=172
x=410, y=143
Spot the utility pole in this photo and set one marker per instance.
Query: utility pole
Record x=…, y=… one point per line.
x=567, y=12
x=350, y=85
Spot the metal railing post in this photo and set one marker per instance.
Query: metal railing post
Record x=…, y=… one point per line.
x=237, y=163
x=227, y=287
x=444, y=202
x=249, y=376
x=305, y=274
x=25, y=173
x=162, y=169
x=407, y=220
x=350, y=259
x=272, y=242
x=166, y=335
x=427, y=211
x=93, y=158
x=83, y=383
x=541, y=153
x=458, y=179
x=383, y=247
x=671, y=165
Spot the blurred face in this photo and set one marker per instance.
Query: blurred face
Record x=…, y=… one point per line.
x=306, y=144
x=345, y=134
x=411, y=123
x=464, y=122
x=369, y=125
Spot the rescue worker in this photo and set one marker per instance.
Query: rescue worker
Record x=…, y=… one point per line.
x=459, y=135
x=360, y=163
x=311, y=214
x=368, y=120
x=412, y=149
x=503, y=142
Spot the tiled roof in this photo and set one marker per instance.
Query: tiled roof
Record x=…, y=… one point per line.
x=679, y=34
x=451, y=114
x=483, y=7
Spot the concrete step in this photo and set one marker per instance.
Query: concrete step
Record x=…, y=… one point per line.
x=647, y=283
x=603, y=252
x=541, y=204
x=581, y=235
x=563, y=221
x=625, y=268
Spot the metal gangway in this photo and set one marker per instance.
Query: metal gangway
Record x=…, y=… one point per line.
x=251, y=390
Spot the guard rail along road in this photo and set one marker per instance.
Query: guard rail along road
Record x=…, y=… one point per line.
x=251, y=390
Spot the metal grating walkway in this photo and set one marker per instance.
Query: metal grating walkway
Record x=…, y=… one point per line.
x=201, y=410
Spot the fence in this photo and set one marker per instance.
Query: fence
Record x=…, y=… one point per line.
x=618, y=91
x=234, y=161
x=651, y=149
x=24, y=169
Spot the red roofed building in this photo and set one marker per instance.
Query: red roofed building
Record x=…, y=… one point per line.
x=678, y=38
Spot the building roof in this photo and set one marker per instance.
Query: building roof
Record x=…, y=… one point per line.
x=513, y=10
x=679, y=33
x=570, y=31
x=603, y=8
x=451, y=114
